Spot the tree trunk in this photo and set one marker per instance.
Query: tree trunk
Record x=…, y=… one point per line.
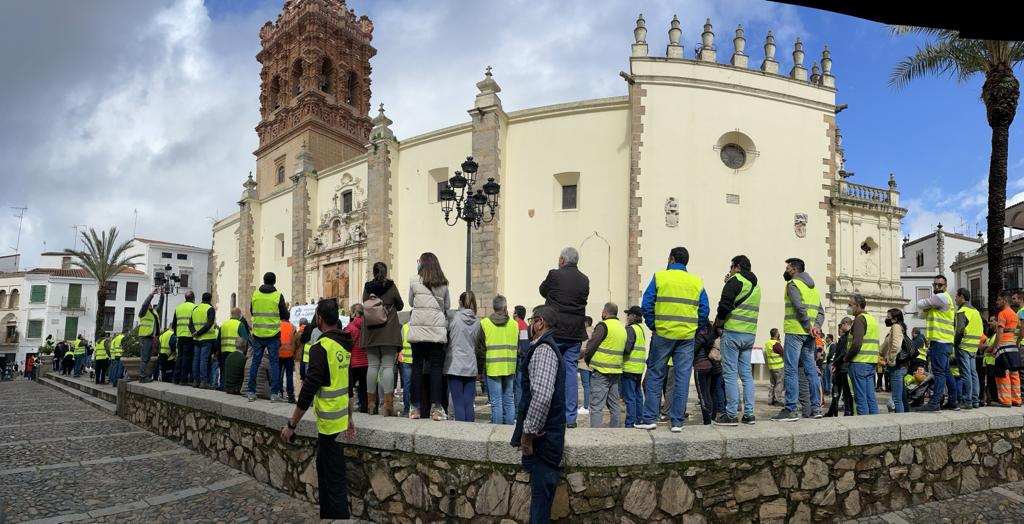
x=1000, y=94
x=101, y=304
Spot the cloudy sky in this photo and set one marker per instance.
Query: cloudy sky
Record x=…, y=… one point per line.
x=140, y=114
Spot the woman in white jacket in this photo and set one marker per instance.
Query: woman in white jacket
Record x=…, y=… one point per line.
x=428, y=333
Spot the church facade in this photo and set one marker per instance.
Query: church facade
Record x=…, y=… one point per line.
x=724, y=155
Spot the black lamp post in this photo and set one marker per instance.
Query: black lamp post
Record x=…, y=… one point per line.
x=169, y=283
x=474, y=208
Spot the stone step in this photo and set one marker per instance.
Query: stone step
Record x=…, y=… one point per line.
x=105, y=401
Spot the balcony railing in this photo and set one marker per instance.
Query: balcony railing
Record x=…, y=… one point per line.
x=73, y=304
x=866, y=193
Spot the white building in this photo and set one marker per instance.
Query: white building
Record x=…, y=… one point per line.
x=971, y=267
x=190, y=264
x=930, y=255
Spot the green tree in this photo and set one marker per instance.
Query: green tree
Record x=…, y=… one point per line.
x=961, y=58
x=103, y=258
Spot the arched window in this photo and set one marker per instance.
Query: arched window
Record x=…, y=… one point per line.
x=351, y=89
x=3, y=298
x=234, y=301
x=336, y=232
x=297, y=77
x=280, y=174
x=326, y=72
x=12, y=301
x=275, y=93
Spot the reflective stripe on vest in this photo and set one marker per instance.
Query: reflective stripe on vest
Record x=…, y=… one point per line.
x=147, y=323
x=406, y=346
x=115, y=347
x=940, y=324
x=812, y=301
x=101, y=352
x=183, y=313
x=973, y=329
x=676, y=304
x=608, y=357
x=868, y=353
x=79, y=347
x=502, y=347
x=165, y=342
x=199, y=315
x=638, y=356
x=330, y=405
x=773, y=359
x=266, y=317
x=229, y=335
x=743, y=319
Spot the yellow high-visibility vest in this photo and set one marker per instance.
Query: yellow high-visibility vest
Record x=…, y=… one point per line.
x=165, y=342
x=973, y=329
x=638, y=355
x=868, y=353
x=812, y=300
x=147, y=324
x=502, y=347
x=266, y=317
x=101, y=352
x=608, y=357
x=676, y=304
x=773, y=359
x=743, y=319
x=330, y=405
x=406, y=346
x=199, y=315
x=229, y=335
x=939, y=325
x=115, y=347
x=182, y=314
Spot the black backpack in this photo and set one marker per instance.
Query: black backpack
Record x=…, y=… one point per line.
x=907, y=351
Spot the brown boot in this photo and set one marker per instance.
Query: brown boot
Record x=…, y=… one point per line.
x=371, y=403
x=388, y=410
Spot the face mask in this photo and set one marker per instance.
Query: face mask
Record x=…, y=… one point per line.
x=849, y=310
x=786, y=276
x=888, y=322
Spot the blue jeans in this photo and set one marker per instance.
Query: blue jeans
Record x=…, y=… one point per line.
x=271, y=345
x=543, y=482
x=938, y=361
x=585, y=381
x=736, y=349
x=826, y=379
x=896, y=374
x=116, y=371
x=681, y=352
x=633, y=396
x=406, y=386
x=499, y=392
x=79, y=361
x=862, y=377
x=201, y=361
x=570, y=350
x=800, y=349
x=287, y=380
x=971, y=390
x=145, y=353
x=517, y=388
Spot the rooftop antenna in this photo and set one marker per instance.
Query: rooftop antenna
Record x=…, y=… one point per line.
x=135, y=224
x=21, y=218
x=74, y=245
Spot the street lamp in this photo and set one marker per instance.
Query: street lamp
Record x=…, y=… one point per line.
x=169, y=284
x=461, y=201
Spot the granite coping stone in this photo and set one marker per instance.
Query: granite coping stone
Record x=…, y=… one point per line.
x=606, y=447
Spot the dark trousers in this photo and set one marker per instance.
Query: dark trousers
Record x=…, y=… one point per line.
x=357, y=386
x=287, y=375
x=840, y=389
x=711, y=392
x=543, y=482
x=463, y=391
x=166, y=369
x=101, y=370
x=430, y=354
x=331, y=477
x=302, y=371
x=183, y=364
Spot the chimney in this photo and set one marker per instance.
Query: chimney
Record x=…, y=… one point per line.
x=65, y=263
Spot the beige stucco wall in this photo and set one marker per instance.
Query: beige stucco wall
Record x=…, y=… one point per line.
x=225, y=274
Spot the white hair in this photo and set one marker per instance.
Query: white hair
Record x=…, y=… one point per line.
x=570, y=255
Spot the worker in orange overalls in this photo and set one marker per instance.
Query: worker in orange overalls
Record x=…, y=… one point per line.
x=286, y=358
x=1007, y=355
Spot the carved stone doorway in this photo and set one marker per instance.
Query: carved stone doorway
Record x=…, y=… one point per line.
x=336, y=282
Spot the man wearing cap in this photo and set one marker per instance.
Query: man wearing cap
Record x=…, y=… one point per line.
x=635, y=359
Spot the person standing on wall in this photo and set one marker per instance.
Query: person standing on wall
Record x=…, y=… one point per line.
x=499, y=345
x=802, y=326
x=428, y=334
x=149, y=329
x=268, y=309
x=605, y=352
x=460, y=366
x=675, y=305
x=566, y=289
x=182, y=317
x=203, y=327
x=519, y=315
x=540, y=419
x=736, y=324
x=102, y=359
x=940, y=313
x=326, y=389
x=382, y=341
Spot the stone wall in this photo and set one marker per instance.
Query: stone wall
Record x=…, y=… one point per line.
x=407, y=471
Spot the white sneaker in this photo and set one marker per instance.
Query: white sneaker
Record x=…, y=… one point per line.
x=273, y=398
x=252, y=397
x=583, y=411
x=677, y=429
x=648, y=427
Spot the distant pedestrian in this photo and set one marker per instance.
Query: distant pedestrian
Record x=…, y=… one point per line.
x=773, y=359
x=566, y=289
x=183, y=340
x=842, y=392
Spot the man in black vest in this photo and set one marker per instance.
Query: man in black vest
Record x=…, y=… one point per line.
x=540, y=423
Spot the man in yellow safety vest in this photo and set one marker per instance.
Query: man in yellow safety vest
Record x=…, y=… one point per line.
x=940, y=314
x=149, y=331
x=862, y=356
x=736, y=322
x=802, y=327
x=604, y=354
x=773, y=359
x=268, y=309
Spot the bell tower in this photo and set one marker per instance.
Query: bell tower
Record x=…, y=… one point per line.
x=314, y=89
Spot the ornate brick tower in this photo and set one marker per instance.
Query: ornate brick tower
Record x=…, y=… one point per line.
x=314, y=88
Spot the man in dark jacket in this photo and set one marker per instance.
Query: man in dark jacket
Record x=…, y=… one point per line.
x=566, y=290
x=839, y=369
x=540, y=423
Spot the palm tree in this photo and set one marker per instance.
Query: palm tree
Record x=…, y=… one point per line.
x=103, y=258
x=963, y=58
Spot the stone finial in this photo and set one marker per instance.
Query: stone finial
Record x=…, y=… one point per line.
x=249, y=182
x=248, y=191
x=827, y=79
x=489, y=89
x=799, y=72
x=303, y=160
x=640, y=37
x=892, y=182
x=674, y=50
x=381, y=126
x=815, y=74
x=770, y=65
x=739, y=44
x=707, y=44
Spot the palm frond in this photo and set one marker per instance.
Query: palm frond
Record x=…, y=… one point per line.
x=930, y=59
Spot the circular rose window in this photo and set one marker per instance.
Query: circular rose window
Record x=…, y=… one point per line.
x=733, y=156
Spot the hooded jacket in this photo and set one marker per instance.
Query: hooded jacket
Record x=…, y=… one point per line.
x=463, y=334
x=730, y=293
x=388, y=334
x=498, y=318
x=798, y=302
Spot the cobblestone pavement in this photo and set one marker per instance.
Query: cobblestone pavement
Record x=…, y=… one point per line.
x=1002, y=504
x=62, y=460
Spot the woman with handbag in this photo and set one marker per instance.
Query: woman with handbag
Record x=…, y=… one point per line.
x=897, y=349
x=428, y=333
x=381, y=336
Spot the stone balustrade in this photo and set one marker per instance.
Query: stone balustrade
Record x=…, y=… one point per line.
x=404, y=470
